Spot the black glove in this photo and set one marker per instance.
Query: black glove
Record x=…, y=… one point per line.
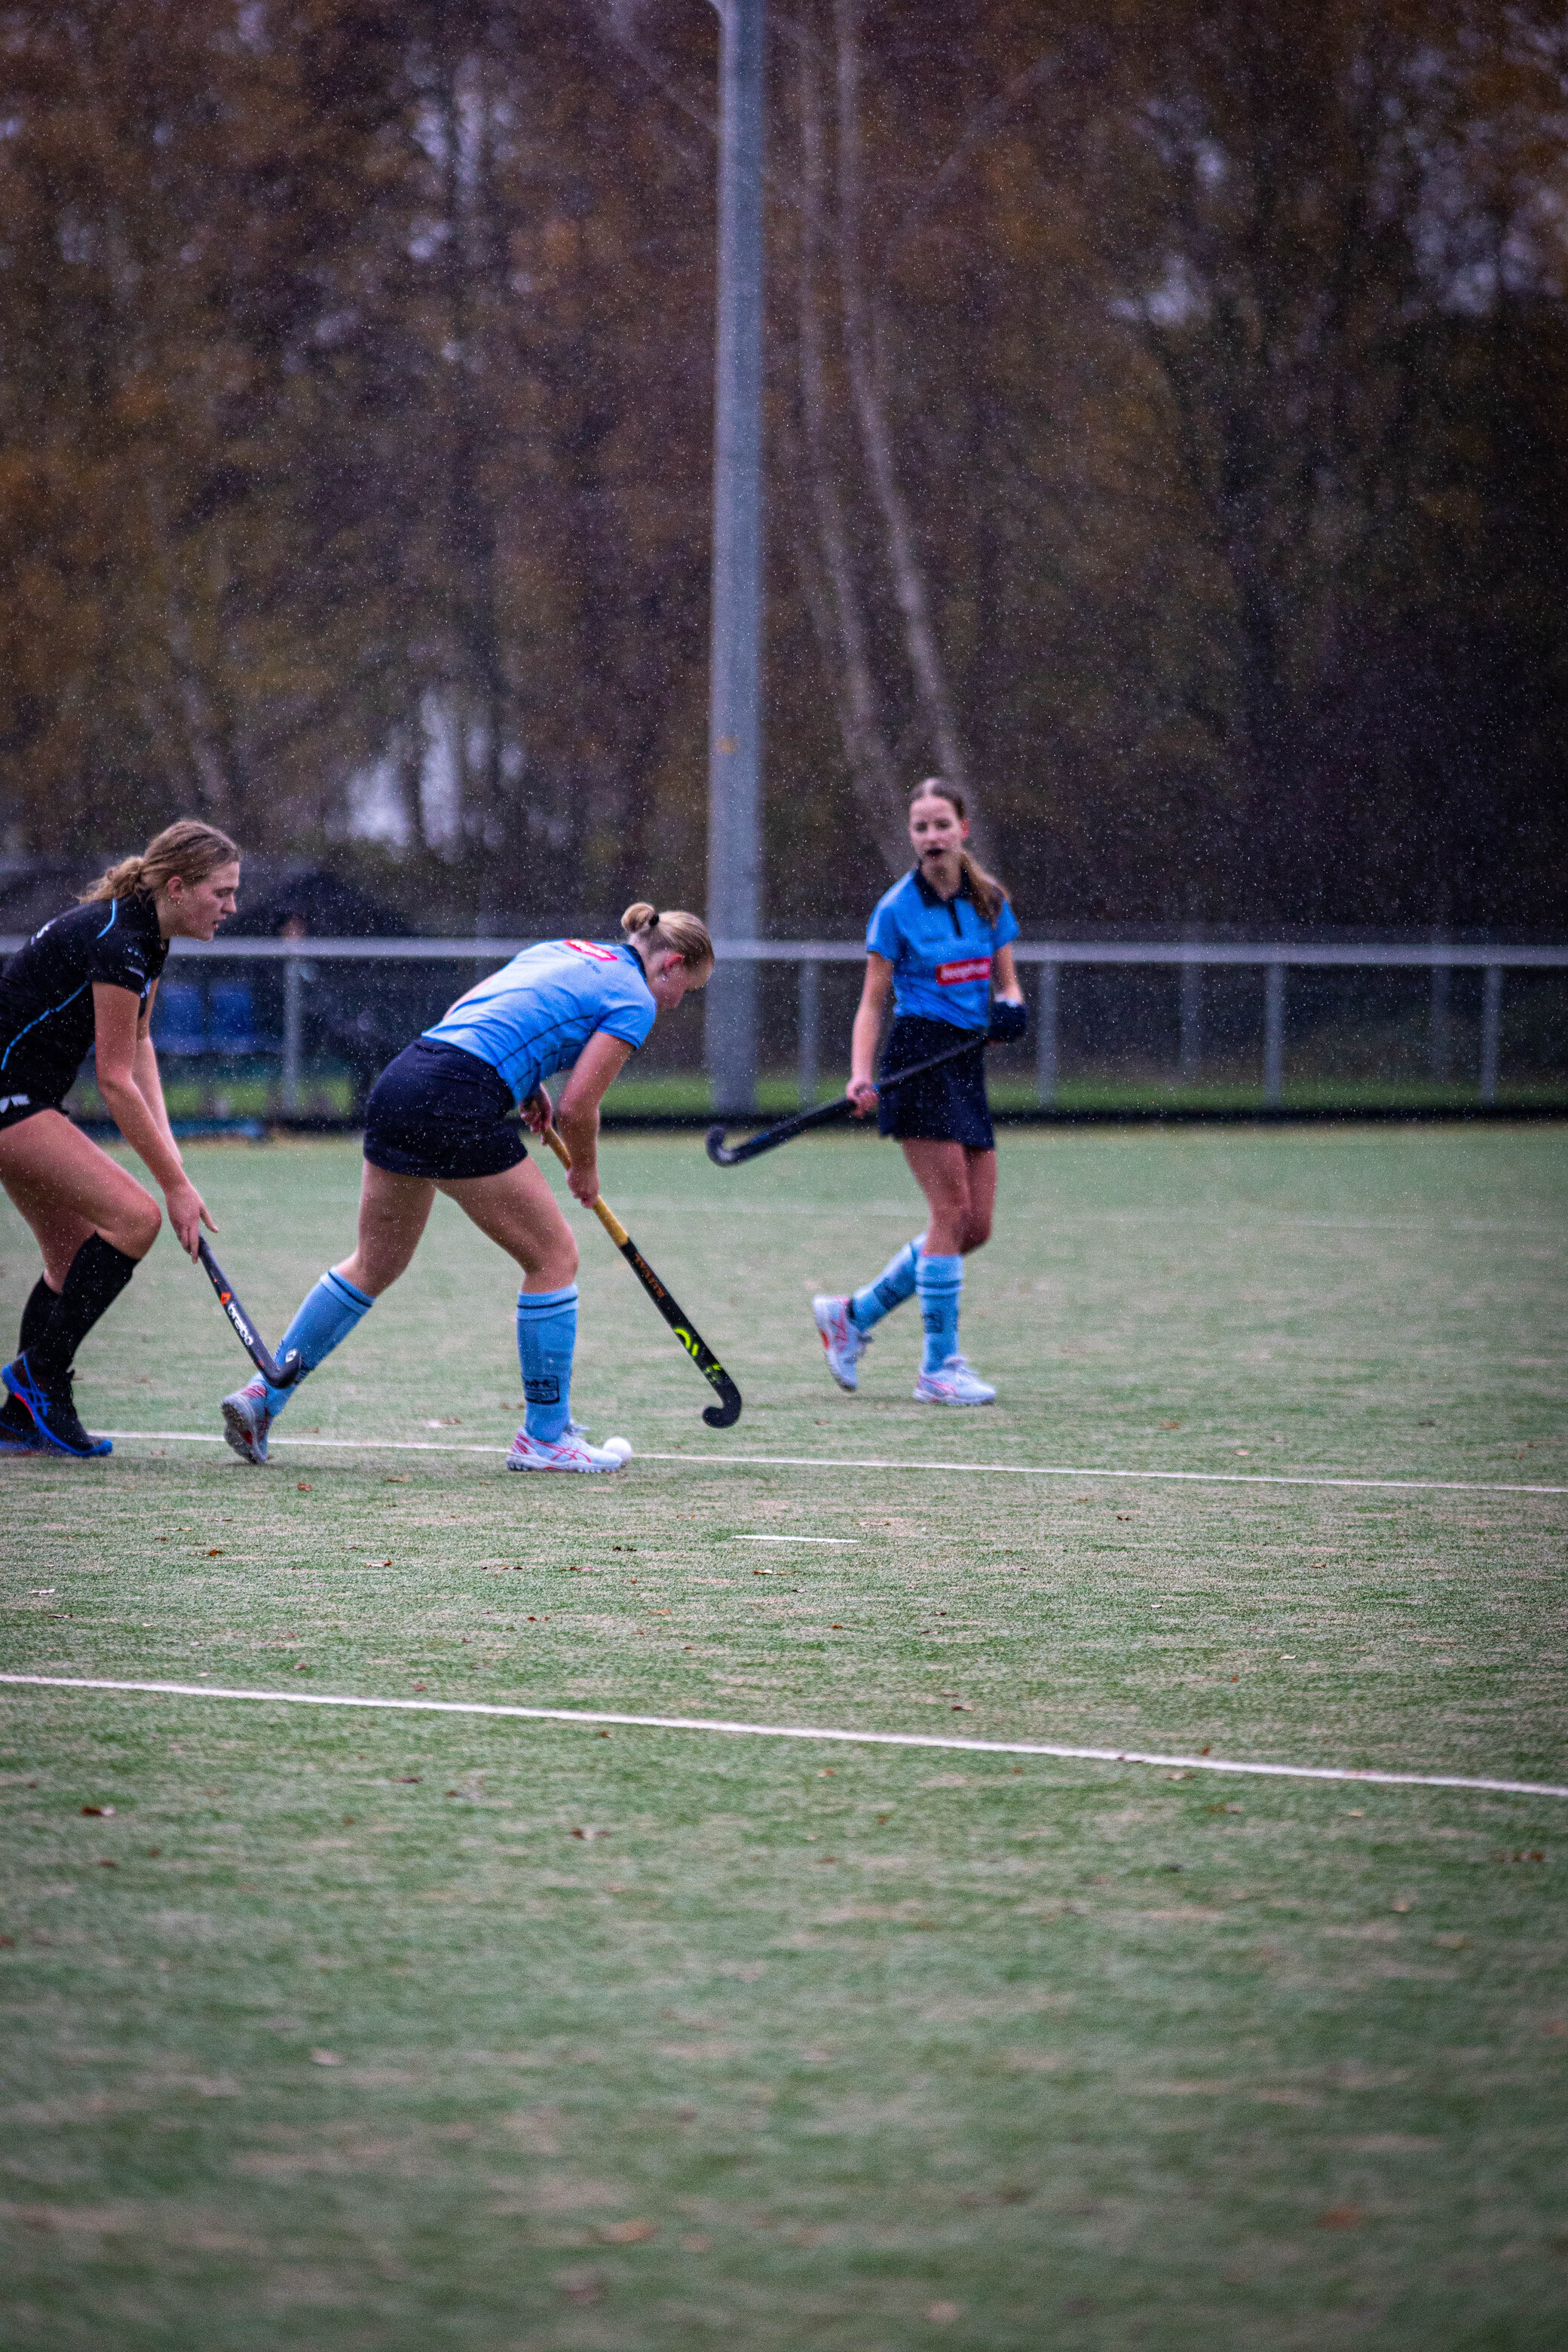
x=1008, y=1022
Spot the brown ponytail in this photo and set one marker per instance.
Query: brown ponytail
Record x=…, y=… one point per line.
x=983, y=889
x=189, y=848
x=687, y=934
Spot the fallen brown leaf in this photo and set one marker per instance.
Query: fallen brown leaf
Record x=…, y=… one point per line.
x=103, y=1811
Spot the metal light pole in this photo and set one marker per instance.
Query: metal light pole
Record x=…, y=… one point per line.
x=735, y=736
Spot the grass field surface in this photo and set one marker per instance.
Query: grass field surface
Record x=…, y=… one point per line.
x=406, y=2030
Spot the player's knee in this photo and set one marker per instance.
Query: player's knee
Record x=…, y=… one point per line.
x=138, y=1225
x=554, y=1260
x=976, y=1230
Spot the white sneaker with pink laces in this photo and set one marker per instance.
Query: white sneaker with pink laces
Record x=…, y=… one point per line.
x=245, y=1421
x=954, y=1385
x=842, y=1340
x=568, y=1452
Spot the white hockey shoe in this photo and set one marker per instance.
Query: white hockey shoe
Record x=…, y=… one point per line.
x=842, y=1341
x=954, y=1385
x=245, y=1421
x=569, y=1452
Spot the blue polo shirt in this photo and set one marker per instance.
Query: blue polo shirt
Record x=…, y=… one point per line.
x=536, y=1014
x=940, y=950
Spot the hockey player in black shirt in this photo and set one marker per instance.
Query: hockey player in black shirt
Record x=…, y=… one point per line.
x=88, y=979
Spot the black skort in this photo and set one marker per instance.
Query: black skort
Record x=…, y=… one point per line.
x=14, y=1107
x=441, y=1113
x=947, y=1105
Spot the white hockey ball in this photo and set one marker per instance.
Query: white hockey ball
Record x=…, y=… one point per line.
x=618, y=1445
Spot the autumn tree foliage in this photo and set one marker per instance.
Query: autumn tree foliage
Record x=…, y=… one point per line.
x=1165, y=417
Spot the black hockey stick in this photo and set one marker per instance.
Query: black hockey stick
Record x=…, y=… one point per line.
x=725, y=1155
x=723, y=1415
x=279, y=1376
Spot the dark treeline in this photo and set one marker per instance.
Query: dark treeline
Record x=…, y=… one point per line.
x=1168, y=436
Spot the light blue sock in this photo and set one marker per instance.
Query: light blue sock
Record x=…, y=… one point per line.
x=892, y=1286
x=323, y=1316
x=546, y=1341
x=939, y=1280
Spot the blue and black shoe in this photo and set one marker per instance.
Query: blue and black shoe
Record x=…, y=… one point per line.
x=52, y=1410
x=18, y=1434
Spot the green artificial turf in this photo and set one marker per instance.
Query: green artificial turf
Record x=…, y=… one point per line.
x=399, y=2031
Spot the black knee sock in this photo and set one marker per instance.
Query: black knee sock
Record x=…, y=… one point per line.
x=40, y=1306
x=97, y=1274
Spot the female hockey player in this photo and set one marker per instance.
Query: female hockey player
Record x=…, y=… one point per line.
x=438, y=1119
x=939, y=943
x=87, y=980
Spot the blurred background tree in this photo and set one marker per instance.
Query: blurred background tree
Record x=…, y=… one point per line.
x=1166, y=436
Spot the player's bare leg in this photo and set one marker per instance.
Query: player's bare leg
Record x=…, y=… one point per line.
x=394, y=1212
x=85, y=1211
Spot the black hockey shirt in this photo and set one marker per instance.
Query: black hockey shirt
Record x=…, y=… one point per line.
x=46, y=1022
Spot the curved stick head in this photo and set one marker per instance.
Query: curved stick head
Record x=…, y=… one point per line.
x=725, y=1415
x=714, y=1140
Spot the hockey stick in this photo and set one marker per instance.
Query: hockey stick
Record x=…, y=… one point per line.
x=725, y=1155
x=277, y=1376
x=723, y=1415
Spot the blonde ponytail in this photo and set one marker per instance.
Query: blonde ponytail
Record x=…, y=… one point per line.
x=189, y=848
x=983, y=889
x=686, y=935
x=118, y=882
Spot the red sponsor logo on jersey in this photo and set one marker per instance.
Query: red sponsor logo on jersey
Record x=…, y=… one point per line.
x=949, y=975
x=606, y=955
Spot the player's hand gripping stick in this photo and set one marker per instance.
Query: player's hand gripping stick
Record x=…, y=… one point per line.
x=723, y=1415
x=281, y=1376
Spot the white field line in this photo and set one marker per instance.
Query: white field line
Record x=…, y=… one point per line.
x=851, y=1462
x=843, y=1543
x=1051, y=1748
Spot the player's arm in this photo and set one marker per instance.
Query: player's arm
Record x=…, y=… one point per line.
x=149, y=1078
x=578, y=1114
x=116, y=1015
x=1005, y=985
x=867, y=1029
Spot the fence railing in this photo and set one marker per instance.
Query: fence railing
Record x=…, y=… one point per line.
x=1047, y=958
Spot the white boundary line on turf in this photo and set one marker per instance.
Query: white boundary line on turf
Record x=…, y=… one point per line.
x=1051, y=1748
x=844, y=1543
x=850, y=1462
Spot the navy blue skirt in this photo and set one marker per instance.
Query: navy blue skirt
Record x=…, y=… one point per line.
x=439, y=1112
x=947, y=1105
